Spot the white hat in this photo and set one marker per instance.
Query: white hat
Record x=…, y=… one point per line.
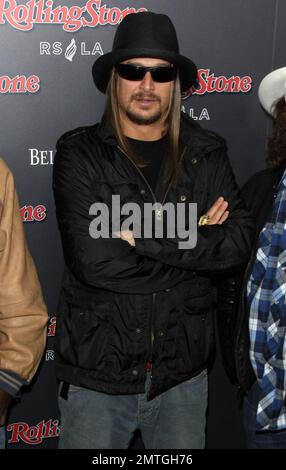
x=272, y=88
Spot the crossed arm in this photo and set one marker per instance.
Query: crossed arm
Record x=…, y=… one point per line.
x=216, y=215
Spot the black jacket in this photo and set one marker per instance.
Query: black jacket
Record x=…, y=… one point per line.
x=233, y=314
x=121, y=306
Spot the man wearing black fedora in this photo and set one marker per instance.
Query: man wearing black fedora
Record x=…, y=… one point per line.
x=135, y=333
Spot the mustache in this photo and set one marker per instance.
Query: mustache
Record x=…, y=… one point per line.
x=143, y=96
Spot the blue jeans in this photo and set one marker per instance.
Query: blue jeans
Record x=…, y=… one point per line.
x=2, y=437
x=175, y=419
x=262, y=439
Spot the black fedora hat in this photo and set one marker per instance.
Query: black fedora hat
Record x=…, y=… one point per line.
x=144, y=34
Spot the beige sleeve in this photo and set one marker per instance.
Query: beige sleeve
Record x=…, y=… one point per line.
x=23, y=313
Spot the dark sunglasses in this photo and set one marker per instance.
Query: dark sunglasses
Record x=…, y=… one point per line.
x=136, y=73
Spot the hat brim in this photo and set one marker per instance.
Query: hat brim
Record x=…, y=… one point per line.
x=271, y=89
x=102, y=67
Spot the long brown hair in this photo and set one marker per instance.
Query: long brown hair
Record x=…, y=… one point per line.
x=277, y=141
x=172, y=117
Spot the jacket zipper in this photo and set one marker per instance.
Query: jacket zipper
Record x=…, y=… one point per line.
x=158, y=212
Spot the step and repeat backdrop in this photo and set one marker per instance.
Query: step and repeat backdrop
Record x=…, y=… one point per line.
x=47, y=48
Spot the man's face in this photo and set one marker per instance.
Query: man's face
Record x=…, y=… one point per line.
x=143, y=102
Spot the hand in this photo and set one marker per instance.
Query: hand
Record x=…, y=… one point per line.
x=5, y=400
x=126, y=235
x=217, y=214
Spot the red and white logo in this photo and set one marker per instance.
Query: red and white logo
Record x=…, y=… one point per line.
x=34, y=435
x=19, y=84
x=209, y=83
x=72, y=18
x=33, y=214
x=52, y=326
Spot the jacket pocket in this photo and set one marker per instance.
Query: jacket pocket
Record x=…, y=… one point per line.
x=195, y=340
x=198, y=303
x=90, y=330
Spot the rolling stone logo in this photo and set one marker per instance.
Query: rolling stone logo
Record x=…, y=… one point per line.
x=208, y=83
x=34, y=435
x=33, y=214
x=52, y=326
x=19, y=84
x=73, y=18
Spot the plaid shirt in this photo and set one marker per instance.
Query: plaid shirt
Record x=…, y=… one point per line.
x=267, y=323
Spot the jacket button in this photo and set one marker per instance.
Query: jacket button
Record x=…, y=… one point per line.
x=194, y=161
x=138, y=330
x=142, y=191
x=167, y=290
x=183, y=197
x=135, y=372
x=160, y=333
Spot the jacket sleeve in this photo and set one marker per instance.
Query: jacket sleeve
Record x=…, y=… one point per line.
x=23, y=314
x=110, y=263
x=219, y=248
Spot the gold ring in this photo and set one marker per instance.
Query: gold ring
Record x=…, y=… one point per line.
x=204, y=220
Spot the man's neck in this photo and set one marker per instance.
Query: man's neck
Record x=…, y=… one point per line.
x=141, y=132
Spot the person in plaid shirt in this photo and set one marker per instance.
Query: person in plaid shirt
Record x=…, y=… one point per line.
x=265, y=404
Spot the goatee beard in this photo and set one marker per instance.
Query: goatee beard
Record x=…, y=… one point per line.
x=140, y=120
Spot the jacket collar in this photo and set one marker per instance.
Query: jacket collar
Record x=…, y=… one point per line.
x=192, y=135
